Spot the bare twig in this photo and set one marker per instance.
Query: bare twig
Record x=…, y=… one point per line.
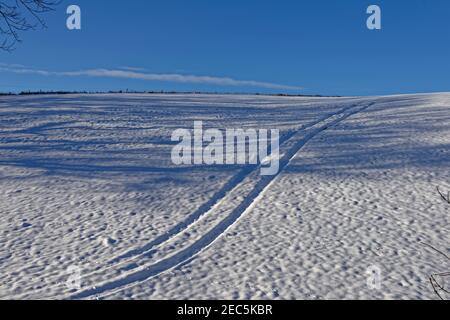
x=445, y=198
x=436, y=250
x=21, y=15
x=437, y=287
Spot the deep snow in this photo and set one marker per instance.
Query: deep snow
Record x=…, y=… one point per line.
x=87, y=181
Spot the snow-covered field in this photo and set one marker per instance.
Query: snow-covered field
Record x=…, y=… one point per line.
x=86, y=181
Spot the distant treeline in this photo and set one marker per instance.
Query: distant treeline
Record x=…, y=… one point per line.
x=31, y=93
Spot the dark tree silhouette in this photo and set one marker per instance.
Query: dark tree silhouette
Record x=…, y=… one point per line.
x=21, y=15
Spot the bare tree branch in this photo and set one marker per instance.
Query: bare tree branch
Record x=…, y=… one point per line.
x=445, y=198
x=21, y=15
x=438, y=288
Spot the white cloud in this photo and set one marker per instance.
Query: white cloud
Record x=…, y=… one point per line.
x=134, y=74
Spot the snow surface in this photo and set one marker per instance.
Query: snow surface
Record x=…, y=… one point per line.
x=87, y=181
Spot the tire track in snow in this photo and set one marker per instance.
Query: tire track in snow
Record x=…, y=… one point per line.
x=128, y=260
x=299, y=139
x=215, y=199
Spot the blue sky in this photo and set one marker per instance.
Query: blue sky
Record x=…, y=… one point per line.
x=306, y=47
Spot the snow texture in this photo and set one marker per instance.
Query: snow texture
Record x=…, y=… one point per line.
x=87, y=181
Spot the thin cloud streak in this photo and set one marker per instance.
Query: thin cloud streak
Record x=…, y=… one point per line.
x=130, y=74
